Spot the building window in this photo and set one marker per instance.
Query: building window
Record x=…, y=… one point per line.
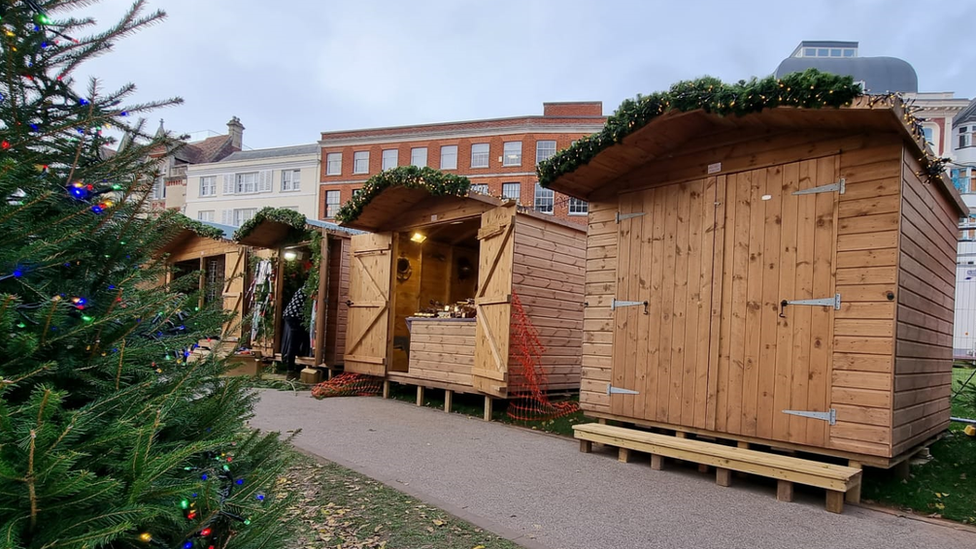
x=543, y=199
x=159, y=189
x=291, y=180
x=331, y=203
x=578, y=207
x=965, y=137
x=243, y=215
x=449, y=157
x=823, y=52
x=355, y=192
x=848, y=52
x=543, y=150
x=205, y=215
x=360, y=162
x=479, y=155
x=390, y=159
x=809, y=52
x=512, y=153
x=418, y=157
x=928, y=132
x=333, y=164
x=208, y=186
x=512, y=191
x=481, y=188
x=246, y=183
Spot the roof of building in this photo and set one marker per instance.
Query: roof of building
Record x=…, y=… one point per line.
x=228, y=229
x=258, y=154
x=210, y=149
x=880, y=74
x=967, y=115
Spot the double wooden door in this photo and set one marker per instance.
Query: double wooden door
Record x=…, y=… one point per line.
x=701, y=336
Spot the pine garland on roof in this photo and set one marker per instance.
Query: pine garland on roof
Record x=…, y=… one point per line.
x=277, y=215
x=201, y=229
x=435, y=182
x=808, y=89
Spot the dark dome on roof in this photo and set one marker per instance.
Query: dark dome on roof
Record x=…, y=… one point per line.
x=880, y=74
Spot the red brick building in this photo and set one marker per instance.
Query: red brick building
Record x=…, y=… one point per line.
x=499, y=156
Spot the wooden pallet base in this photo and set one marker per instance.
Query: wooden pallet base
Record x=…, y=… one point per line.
x=448, y=398
x=837, y=480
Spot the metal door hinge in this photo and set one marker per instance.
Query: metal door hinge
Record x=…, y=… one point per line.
x=823, y=302
x=838, y=187
x=829, y=416
x=615, y=304
x=620, y=217
x=611, y=390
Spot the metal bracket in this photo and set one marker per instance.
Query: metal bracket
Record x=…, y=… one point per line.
x=620, y=217
x=614, y=305
x=839, y=187
x=823, y=302
x=611, y=390
x=829, y=416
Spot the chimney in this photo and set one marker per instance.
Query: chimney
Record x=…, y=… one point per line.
x=236, y=132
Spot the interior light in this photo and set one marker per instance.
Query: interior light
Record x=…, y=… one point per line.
x=418, y=238
x=291, y=256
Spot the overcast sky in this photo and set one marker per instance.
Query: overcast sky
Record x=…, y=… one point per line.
x=292, y=69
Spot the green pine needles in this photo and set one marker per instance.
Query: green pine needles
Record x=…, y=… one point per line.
x=435, y=182
x=111, y=433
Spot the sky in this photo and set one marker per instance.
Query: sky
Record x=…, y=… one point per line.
x=292, y=69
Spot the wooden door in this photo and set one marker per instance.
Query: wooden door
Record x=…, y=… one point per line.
x=662, y=311
x=778, y=246
x=493, y=301
x=367, y=335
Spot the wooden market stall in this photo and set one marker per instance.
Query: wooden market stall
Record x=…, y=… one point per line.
x=287, y=233
x=431, y=295
x=780, y=278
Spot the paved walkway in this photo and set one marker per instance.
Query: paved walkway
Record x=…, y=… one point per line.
x=540, y=491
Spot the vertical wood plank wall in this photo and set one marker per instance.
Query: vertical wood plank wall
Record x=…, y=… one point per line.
x=338, y=310
x=234, y=273
x=600, y=290
x=923, y=349
x=548, y=273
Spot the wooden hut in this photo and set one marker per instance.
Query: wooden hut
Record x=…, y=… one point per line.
x=780, y=278
x=287, y=233
x=431, y=255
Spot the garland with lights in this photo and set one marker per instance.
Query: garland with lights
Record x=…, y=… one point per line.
x=808, y=89
x=435, y=182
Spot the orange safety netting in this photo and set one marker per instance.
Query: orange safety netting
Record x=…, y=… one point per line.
x=348, y=384
x=528, y=401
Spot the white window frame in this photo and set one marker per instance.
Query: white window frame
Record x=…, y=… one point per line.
x=333, y=163
x=517, y=196
x=544, y=154
x=414, y=153
x=360, y=162
x=206, y=215
x=243, y=186
x=449, y=152
x=481, y=188
x=391, y=161
x=544, y=200
x=239, y=214
x=578, y=206
x=965, y=137
x=291, y=180
x=159, y=189
x=511, y=156
x=480, y=159
x=208, y=185
x=331, y=206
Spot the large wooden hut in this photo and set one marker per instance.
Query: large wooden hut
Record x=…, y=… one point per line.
x=782, y=277
x=432, y=286
x=287, y=234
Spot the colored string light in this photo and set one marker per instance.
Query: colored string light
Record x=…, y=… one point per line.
x=145, y=537
x=206, y=532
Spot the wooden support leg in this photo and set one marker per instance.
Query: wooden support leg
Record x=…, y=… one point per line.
x=723, y=477
x=623, y=456
x=448, y=400
x=488, y=403
x=853, y=495
x=681, y=434
x=420, y=395
x=657, y=462
x=835, y=501
x=386, y=388
x=903, y=470
x=784, y=490
x=328, y=374
x=601, y=421
x=586, y=446
x=743, y=445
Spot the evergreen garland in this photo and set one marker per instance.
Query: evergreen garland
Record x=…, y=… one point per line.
x=291, y=218
x=435, y=182
x=200, y=229
x=808, y=89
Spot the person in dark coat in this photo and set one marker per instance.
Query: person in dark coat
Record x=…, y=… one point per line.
x=294, y=341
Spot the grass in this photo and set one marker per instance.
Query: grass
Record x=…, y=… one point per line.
x=944, y=486
x=336, y=507
x=473, y=405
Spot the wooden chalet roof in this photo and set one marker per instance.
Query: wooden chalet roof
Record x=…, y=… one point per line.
x=391, y=209
x=672, y=133
x=273, y=234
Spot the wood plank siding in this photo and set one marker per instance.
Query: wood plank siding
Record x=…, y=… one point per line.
x=337, y=315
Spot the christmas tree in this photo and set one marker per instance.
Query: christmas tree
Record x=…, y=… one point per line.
x=110, y=435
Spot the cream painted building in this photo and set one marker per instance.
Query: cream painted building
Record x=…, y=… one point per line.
x=232, y=190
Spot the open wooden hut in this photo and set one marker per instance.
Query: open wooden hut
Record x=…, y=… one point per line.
x=432, y=288
x=288, y=234
x=781, y=276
